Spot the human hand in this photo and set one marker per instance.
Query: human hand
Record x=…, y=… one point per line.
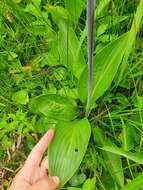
x=33, y=175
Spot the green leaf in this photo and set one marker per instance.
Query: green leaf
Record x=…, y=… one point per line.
x=54, y=107
x=20, y=97
x=98, y=12
x=77, y=179
x=74, y=8
x=136, y=157
x=128, y=137
x=112, y=161
x=131, y=40
x=68, y=148
x=106, y=64
x=68, y=47
x=58, y=13
x=36, y=2
x=138, y=101
x=44, y=123
x=73, y=188
x=101, y=8
x=30, y=8
x=89, y=184
x=135, y=184
x=12, y=56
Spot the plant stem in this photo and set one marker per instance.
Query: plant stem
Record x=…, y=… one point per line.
x=90, y=44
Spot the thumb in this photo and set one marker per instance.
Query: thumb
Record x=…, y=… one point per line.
x=46, y=183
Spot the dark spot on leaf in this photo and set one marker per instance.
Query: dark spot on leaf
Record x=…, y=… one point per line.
x=76, y=150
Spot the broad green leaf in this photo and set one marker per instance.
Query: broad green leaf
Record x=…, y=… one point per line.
x=54, y=107
x=132, y=38
x=89, y=184
x=20, y=97
x=106, y=64
x=68, y=148
x=135, y=184
x=69, y=52
x=112, y=161
x=74, y=8
x=136, y=157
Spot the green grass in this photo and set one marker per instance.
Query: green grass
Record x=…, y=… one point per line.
x=43, y=51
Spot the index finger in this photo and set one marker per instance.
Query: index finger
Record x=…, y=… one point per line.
x=36, y=154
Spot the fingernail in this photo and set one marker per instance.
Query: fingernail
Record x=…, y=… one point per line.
x=56, y=180
x=50, y=132
x=51, y=129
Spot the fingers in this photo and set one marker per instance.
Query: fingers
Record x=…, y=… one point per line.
x=44, y=163
x=36, y=154
x=46, y=183
x=44, y=166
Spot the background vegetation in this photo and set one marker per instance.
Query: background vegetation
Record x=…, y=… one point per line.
x=43, y=51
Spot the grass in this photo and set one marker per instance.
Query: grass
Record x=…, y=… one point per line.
x=38, y=55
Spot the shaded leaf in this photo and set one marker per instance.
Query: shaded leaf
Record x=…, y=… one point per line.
x=135, y=184
x=68, y=148
x=77, y=179
x=112, y=161
x=44, y=123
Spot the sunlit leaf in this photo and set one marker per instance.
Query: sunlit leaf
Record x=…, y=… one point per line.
x=54, y=107
x=20, y=97
x=73, y=188
x=101, y=7
x=69, y=52
x=89, y=184
x=68, y=148
x=134, y=156
x=131, y=40
x=106, y=64
x=74, y=7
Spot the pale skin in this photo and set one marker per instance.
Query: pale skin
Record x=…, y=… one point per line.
x=33, y=175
